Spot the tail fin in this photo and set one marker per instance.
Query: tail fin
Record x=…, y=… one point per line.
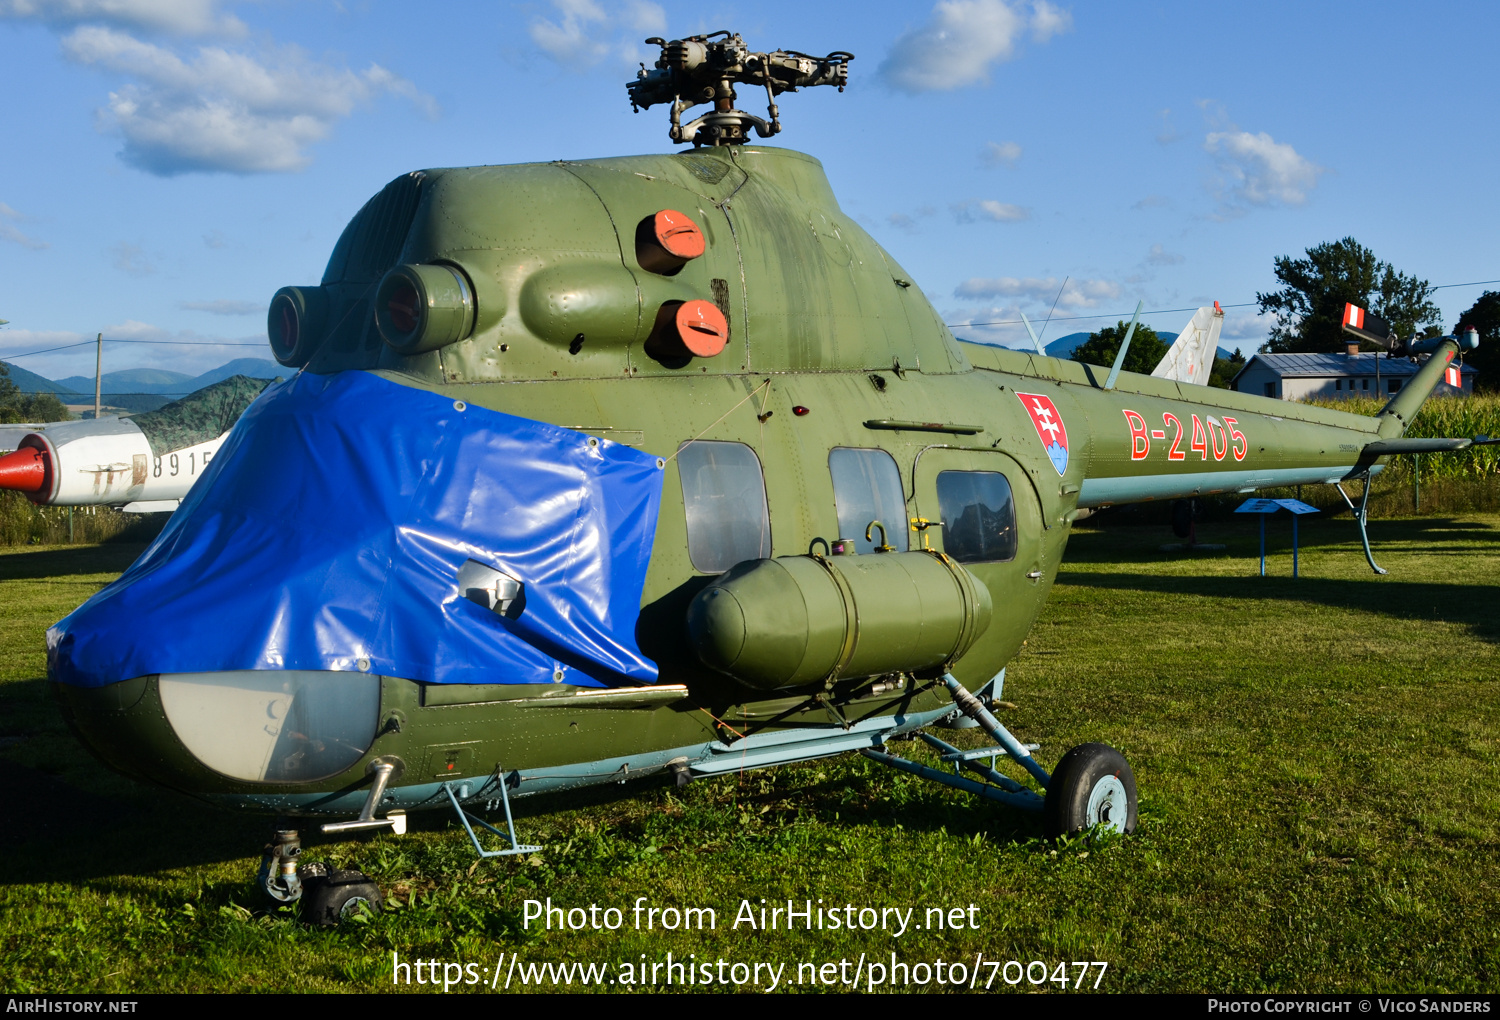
x=1395, y=418
x=1191, y=358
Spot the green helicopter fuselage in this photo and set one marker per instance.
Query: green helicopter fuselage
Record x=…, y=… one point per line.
x=837, y=400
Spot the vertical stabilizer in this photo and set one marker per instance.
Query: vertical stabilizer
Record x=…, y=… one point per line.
x=1191, y=358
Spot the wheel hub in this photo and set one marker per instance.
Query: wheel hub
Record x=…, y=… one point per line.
x=1108, y=806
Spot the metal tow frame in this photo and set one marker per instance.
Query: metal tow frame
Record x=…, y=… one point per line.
x=1360, y=515
x=995, y=787
x=510, y=825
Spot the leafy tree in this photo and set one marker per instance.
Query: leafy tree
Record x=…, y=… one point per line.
x=1484, y=315
x=1225, y=369
x=1146, y=348
x=1309, y=309
x=16, y=407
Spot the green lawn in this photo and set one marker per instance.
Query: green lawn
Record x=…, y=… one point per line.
x=1316, y=760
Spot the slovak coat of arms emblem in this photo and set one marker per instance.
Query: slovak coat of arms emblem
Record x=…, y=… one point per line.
x=1049, y=427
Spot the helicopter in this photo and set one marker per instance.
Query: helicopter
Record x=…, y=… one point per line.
x=603, y=469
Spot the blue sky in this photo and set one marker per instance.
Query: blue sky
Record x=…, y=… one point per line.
x=170, y=163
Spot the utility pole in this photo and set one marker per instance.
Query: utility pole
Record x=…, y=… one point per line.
x=98, y=373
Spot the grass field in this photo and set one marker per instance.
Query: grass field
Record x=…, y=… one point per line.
x=1316, y=758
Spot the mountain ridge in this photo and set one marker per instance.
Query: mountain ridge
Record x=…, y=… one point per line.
x=144, y=381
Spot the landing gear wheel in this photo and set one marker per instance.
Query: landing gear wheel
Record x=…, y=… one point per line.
x=1092, y=785
x=337, y=895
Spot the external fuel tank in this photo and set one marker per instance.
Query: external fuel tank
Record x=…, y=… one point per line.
x=791, y=621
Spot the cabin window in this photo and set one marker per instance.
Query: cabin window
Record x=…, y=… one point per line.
x=1338, y=384
x=724, y=493
x=867, y=487
x=1364, y=384
x=1392, y=385
x=1270, y=389
x=979, y=516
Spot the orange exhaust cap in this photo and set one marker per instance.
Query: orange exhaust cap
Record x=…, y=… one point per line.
x=702, y=328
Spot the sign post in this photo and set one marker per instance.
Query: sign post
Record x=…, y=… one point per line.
x=1266, y=507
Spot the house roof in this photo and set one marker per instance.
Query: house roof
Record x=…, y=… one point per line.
x=1336, y=366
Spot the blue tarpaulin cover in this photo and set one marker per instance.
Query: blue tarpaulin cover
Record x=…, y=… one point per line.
x=332, y=524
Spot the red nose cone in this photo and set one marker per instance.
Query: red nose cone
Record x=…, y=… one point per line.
x=702, y=327
x=24, y=471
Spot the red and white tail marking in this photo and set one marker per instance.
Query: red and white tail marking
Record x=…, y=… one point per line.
x=1354, y=316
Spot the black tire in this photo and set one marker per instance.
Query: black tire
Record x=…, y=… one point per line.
x=1087, y=788
x=1182, y=518
x=328, y=899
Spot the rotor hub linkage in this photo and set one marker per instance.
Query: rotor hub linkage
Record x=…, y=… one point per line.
x=705, y=69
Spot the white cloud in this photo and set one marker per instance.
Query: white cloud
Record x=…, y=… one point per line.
x=134, y=329
x=1047, y=21
x=585, y=34
x=131, y=258
x=1258, y=170
x=191, y=352
x=10, y=232
x=1042, y=290
x=221, y=110
x=909, y=222
x=1000, y=154
x=1168, y=133
x=990, y=324
x=972, y=210
x=962, y=39
x=1243, y=324
x=1159, y=256
x=177, y=17
x=1153, y=202
x=224, y=306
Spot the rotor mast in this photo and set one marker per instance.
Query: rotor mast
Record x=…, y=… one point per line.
x=705, y=69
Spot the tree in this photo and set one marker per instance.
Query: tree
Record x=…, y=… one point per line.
x=17, y=407
x=1309, y=309
x=1484, y=315
x=1146, y=348
x=1225, y=369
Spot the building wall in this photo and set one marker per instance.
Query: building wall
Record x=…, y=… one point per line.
x=1301, y=388
x=1255, y=379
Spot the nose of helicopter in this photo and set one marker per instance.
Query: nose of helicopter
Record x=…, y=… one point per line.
x=228, y=729
x=260, y=652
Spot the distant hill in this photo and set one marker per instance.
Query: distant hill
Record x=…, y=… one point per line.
x=134, y=390
x=255, y=368
x=174, y=384
x=1064, y=346
x=30, y=382
x=131, y=380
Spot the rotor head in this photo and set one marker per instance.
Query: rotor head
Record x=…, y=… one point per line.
x=705, y=69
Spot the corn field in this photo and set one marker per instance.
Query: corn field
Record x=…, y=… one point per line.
x=1467, y=480
x=1454, y=417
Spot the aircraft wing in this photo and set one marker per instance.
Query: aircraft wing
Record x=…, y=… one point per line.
x=1191, y=358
